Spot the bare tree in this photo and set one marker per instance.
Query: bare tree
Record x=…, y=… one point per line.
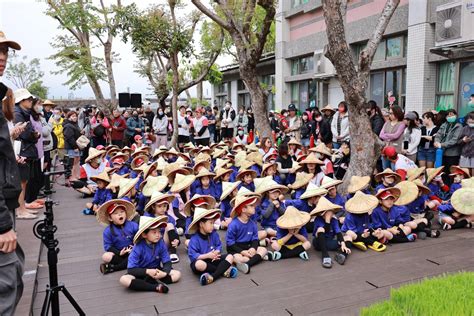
x=365, y=145
x=249, y=36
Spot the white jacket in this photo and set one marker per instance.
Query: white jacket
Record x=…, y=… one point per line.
x=344, y=127
x=47, y=137
x=160, y=126
x=413, y=140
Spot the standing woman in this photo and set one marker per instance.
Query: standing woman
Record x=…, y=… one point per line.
x=307, y=129
x=201, y=128
x=71, y=134
x=100, y=126
x=266, y=148
x=466, y=139
x=392, y=132
x=340, y=125
x=447, y=139
x=160, y=128
x=426, y=150
x=56, y=121
x=412, y=136
x=47, y=131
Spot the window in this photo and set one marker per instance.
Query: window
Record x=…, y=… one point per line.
x=222, y=88
x=302, y=65
x=377, y=90
x=466, y=87
x=394, y=47
x=268, y=81
x=304, y=94
x=297, y=3
x=241, y=85
x=221, y=101
x=380, y=52
x=445, y=86
x=244, y=99
x=383, y=82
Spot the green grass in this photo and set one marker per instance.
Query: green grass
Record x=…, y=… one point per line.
x=451, y=294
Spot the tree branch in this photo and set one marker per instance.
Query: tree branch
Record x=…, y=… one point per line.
x=212, y=15
x=270, y=11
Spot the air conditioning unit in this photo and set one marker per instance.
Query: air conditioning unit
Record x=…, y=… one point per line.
x=454, y=23
x=322, y=65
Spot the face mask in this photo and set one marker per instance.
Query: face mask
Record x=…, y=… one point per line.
x=160, y=112
x=241, y=133
x=57, y=116
x=471, y=125
x=39, y=109
x=227, y=106
x=319, y=119
x=98, y=161
x=451, y=119
x=135, y=116
x=341, y=110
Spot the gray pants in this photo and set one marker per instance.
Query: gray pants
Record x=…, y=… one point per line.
x=11, y=283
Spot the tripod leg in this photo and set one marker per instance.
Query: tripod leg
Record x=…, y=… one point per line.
x=72, y=301
x=46, y=303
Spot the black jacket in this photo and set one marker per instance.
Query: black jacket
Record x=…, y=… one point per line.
x=377, y=122
x=307, y=129
x=29, y=137
x=324, y=129
x=71, y=133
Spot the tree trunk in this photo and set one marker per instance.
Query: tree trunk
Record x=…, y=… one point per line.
x=174, y=100
x=199, y=92
x=110, y=74
x=259, y=100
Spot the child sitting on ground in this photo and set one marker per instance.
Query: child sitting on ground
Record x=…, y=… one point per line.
x=206, y=186
x=101, y=195
x=247, y=176
x=149, y=264
x=331, y=184
x=117, y=235
x=388, y=179
x=127, y=190
x=229, y=191
x=205, y=248
x=242, y=235
x=292, y=237
x=270, y=208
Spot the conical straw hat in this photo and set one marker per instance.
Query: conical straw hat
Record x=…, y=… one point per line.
x=139, y=161
x=161, y=164
x=361, y=203
x=325, y=205
x=240, y=157
x=408, y=192
x=311, y=158
x=198, y=200
x=328, y=108
x=259, y=181
x=243, y=191
x=227, y=188
x=159, y=197
x=358, y=183
x=220, y=172
x=431, y=173
x=252, y=147
x=94, y=153
x=199, y=214
x=149, y=223
x=255, y=157
x=109, y=207
x=462, y=201
x=268, y=165
x=292, y=218
x=387, y=172
x=467, y=183
x=154, y=184
x=182, y=182
x=457, y=170
x=172, y=151
x=104, y=176
x=241, y=174
x=125, y=185
x=205, y=173
x=421, y=187
x=270, y=185
x=293, y=141
x=218, y=153
x=241, y=201
x=313, y=190
x=322, y=149
x=114, y=182
x=328, y=182
x=221, y=163
x=302, y=179
x=415, y=173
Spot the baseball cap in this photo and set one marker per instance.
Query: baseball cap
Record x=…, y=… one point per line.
x=389, y=151
x=137, y=137
x=291, y=107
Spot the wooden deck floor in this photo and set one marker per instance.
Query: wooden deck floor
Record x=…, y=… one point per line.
x=288, y=287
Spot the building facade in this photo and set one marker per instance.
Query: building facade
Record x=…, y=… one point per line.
x=425, y=59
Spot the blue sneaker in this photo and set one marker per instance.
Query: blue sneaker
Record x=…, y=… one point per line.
x=231, y=273
x=206, y=279
x=88, y=211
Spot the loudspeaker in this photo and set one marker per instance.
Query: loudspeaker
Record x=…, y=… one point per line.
x=136, y=100
x=124, y=100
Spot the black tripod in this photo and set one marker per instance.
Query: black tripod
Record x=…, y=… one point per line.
x=44, y=230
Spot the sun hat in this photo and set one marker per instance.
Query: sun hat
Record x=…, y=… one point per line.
x=172, y=169
x=119, y=158
x=161, y=164
x=198, y=200
x=148, y=169
x=221, y=172
x=203, y=157
x=139, y=161
x=110, y=170
x=243, y=191
x=218, y=153
x=293, y=218
x=147, y=222
x=240, y=157
x=111, y=151
x=205, y=149
x=259, y=181
x=311, y=158
x=222, y=163
x=238, y=145
x=328, y=182
x=139, y=152
x=268, y=165
x=114, y=182
x=200, y=163
x=467, y=183
x=246, y=164
x=159, y=151
x=387, y=172
x=408, y=192
x=185, y=157
x=227, y=188
x=255, y=157
x=103, y=176
x=125, y=185
x=302, y=179
x=107, y=208
x=421, y=187
x=269, y=185
x=153, y=184
x=159, y=197
x=455, y=170
x=322, y=149
x=358, y=183
x=94, y=153
x=462, y=201
x=242, y=173
x=313, y=190
x=182, y=182
x=242, y=201
x=49, y=102
x=324, y=205
x=328, y=108
x=432, y=173
x=384, y=194
x=10, y=43
x=205, y=173
x=22, y=94
x=300, y=158
x=293, y=141
x=202, y=213
x=361, y=203
x=296, y=166
x=415, y=173
x=252, y=147
x=127, y=149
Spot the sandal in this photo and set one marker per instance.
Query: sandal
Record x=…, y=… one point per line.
x=446, y=226
x=412, y=237
x=274, y=255
x=304, y=255
x=231, y=273
x=174, y=258
x=376, y=246
x=360, y=245
x=206, y=279
x=40, y=201
x=26, y=216
x=33, y=205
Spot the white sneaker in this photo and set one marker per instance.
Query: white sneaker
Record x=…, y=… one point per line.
x=174, y=258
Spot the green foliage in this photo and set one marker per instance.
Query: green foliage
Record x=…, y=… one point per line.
x=22, y=73
x=443, y=295
x=195, y=102
x=215, y=75
x=38, y=89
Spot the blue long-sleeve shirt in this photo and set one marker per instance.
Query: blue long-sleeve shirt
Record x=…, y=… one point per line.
x=226, y=208
x=200, y=244
x=297, y=193
x=418, y=205
x=239, y=232
x=301, y=205
x=454, y=187
x=123, y=170
x=119, y=237
x=142, y=200
x=211, y=190
x=101, y=196
x=267, y=206
x=293, y=240
x=338, y=200
x=334, y=227
x=250, y=186
x=356, y=223
x=148, y=256
x=384, y=220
